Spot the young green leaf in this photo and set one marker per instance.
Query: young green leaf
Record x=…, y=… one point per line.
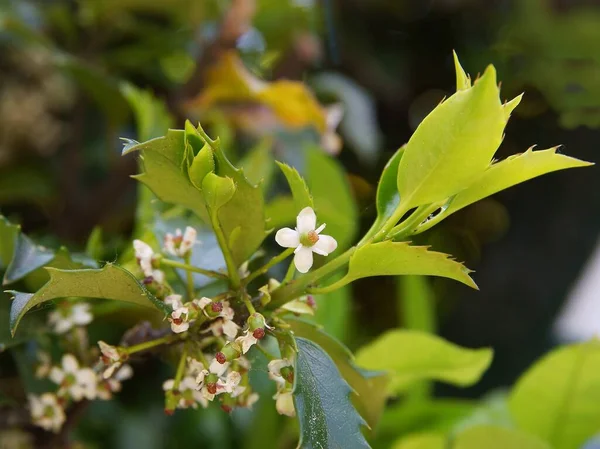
x=396, y=258
x=109, y=282
x=369, y=388
x=327, y=418
x=411, y=356
x=163, y=164
x=463, y=81
x=202, y=164
x=453, y=145
x=421, y=441
x=217, y=191
x=557, y=399
x=493, y=437
x=8, y=239
x=509, y=172
x=300, y=192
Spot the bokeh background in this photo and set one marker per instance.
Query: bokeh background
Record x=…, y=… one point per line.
x=75, y=75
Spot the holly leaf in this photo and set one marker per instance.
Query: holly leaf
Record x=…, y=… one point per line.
x=217, y=190
x=300, y=192
x=397, y=258
x=453, y=145
x=369, y=388
x=388, y=198
x=411, y=356
x=493, y=437
x=8, y=238
x=109, y=282
x=557, y=399
x=164, y=172
x=327, y=418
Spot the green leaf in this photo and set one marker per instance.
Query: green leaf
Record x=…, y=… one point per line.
x=511, y=171
x=29, y=326
x=163, y=173
x=280, y=211
x=217, y=191
x=258, y=164
x=8, y=238
x=369, y=388
x=411, y=356
x=493, y=437
x=327, y=418
x=300, y=193
x=421, y=441
x=453, y=145
x=202, y=164
x=557, y=399
x=332, y=196
x=463, y=81
x=27, y=258
x=109, y=282
x=396, y=258
x=388, y=198
x=152, y=116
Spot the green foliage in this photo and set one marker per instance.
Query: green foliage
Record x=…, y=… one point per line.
x=388, y=197
x=327, y=418
x=395, y=258
x=411, y=356
x=152, y=117
x=109, y=282
x=557, y=399
x=421, y=441
x=300, y=192
x=202, y=164
x=492, y=437
x=369, y=388
x=217, y=191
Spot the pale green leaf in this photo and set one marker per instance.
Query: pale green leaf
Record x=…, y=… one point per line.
x=369, y=388
x=258, y=164
x=398, y=258
x=327, y=418
x=421, y=441
x=557, y=399
x=411, y=356
x=202, y=164
x=109, y=282
x=152, y=116
x=280, y=211
x=300, y=192
x=217, y=190
x=493, y=437
x=463, y=81
x=453, y=145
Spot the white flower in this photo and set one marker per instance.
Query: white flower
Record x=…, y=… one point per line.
x=44, y=366
x=179, y=245
x=306, y=239
x=251, y=400
x=144, y=255
x=247, y=341
x=224, y=324
x=47, y=412
x=330, y=141
x=179, y=318
x=74, y=382
x=68, y=316
x=275, y=367
x=231, y=384
x=110, y=357
x=106, y=387
x=190, y=396
x=284, y=403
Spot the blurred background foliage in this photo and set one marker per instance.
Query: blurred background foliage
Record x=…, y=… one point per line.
x=270, y=78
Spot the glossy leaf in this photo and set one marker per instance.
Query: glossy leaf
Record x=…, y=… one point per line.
x=217, y=190
x=411, y=356
x=398, y=258
x=463, y=81
x=327, y=418
x=388, y=198
x=300, y=192
x=421, y=441
x=453, y=145
x=369, y=387
x=557, y=399
x=493, y=437
x=164, y=174
x=27, y=258
x=8, y=239
x=109, y=282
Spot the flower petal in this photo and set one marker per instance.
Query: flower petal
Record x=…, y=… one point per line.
x=306, y=220
x=288, y=238
x=303, y=259
x=69, y=363
x=325, y=245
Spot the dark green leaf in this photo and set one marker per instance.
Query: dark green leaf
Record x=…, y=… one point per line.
x=327, y=418
x=369, y=387
x=109, y=282
x=300, y=193
x=27, y=258
x=8, y=238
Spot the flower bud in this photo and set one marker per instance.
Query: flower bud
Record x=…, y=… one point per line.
x=228, y=353
x=256, y=321
x=171, y=401
x=259, y=333
x=287, y=372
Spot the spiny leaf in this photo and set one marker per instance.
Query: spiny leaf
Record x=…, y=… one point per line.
x=410, y=356
x=8, y=238
x=300, y=192
x=327, y=418
x=109, y=282
x=557, y=399
x=463, y=81
x=453, y=145
x=397, y=258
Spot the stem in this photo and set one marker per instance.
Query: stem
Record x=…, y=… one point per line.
x=274, y=261
x=289, y=275
x=248, y=303
x=294, y=289
x=180, y=368
x=190, y=279
x=389, y=224
x=234, y=277
x=192, y=269
x=152, y=343
x=412, y=222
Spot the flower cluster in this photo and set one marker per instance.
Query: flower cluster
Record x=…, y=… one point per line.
x=68, y=315
x=184, y=314
x=180, y=245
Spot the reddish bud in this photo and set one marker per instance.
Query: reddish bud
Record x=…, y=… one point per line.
x=169, y=412
x=220, y=358
x=212, y=388
x=216, y=307
x=148, y=280
x=310, y=300
x=259, y=333
x=226, y=408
